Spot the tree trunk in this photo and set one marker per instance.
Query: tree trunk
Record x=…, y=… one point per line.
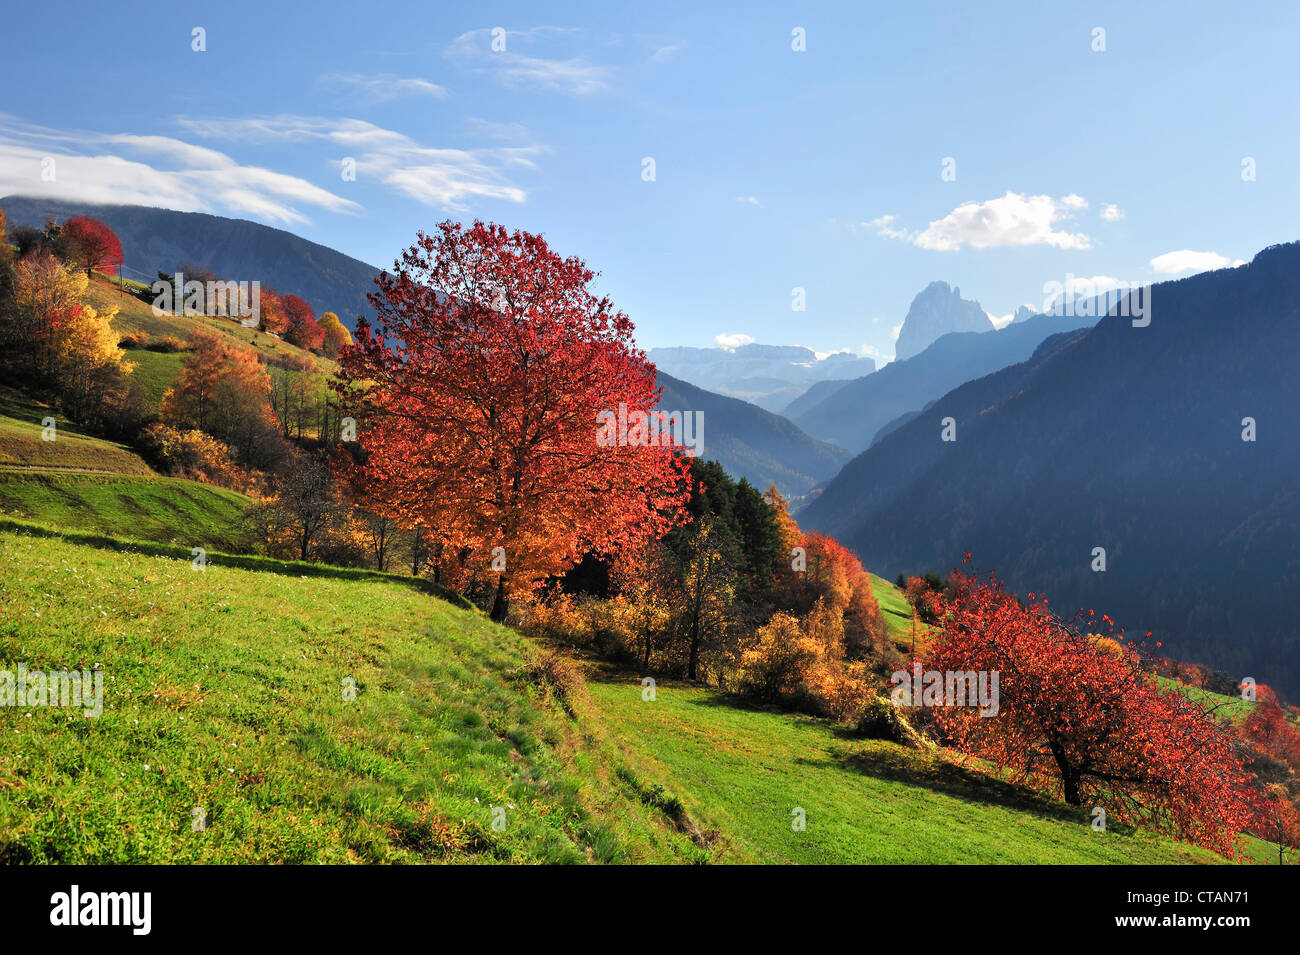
x=500, y=603
x=1070, y=777
x=695, y=647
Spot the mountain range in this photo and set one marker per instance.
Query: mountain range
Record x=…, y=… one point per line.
x=854, y=414
x=770, y=376
x=1120, y=437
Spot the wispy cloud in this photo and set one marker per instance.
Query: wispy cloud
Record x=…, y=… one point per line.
x=665, y=53
x=749, y=200
x=385, y=86
x=884, y=225
x=151, y=170
x=518, y=65
x=1014, y=219
x=441, y=177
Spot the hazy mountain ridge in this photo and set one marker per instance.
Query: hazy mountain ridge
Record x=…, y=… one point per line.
x=770, y=376
x=853, y=415
x=753, y=443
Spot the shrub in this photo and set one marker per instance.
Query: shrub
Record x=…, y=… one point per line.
x=190, y=454
x=557, y=675
x=168, y=343
x=881, y=719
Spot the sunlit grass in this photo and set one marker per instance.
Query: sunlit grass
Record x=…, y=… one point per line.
x=224, y=692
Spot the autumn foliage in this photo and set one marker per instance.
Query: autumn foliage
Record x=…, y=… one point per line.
x=300, y=327
x=92, y=244
x=334, y=335
x=477, y=394
x=1089, y=725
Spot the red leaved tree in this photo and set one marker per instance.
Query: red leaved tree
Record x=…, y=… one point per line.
x=1268, y=728
x=1086, y=723
x=478, y=394
x=92, y=244
x=300, y=323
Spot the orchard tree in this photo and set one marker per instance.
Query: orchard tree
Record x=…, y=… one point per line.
x=480, y=394
x=1088, y=724
x=91, y=244
x=300, y=323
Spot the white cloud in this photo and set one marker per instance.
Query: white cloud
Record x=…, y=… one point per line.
x=162, y=171
x=440, y=177
x=575, y=75
x=897, y=330
x=386, y=86
x=1185, y=260
x=1014, y=219
x=1111, y=212
x=733, y=341
x=750, y=200
x=1000, y=321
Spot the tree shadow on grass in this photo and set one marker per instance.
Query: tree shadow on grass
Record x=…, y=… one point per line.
x=291, y=568
x=897, y=764
x=615, y=672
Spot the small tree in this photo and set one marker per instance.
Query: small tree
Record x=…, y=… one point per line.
x=225, y=391
x=336, y=337
x=302, y=509
x=300, y=324
x=91, y=244
x=707, y=587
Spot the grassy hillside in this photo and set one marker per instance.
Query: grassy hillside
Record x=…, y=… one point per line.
x=896, y=611
x=165, y=510
x=742, y=771
x=84, y=483
x=135, y=315
x=22, y=444
x=223, y=691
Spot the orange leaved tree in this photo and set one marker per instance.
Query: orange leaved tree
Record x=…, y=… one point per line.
x=479, y=396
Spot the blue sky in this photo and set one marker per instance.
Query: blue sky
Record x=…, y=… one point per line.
x=774, y=168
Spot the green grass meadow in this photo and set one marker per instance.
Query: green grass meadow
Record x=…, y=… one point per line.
x=744, y=771
x=225, y=702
